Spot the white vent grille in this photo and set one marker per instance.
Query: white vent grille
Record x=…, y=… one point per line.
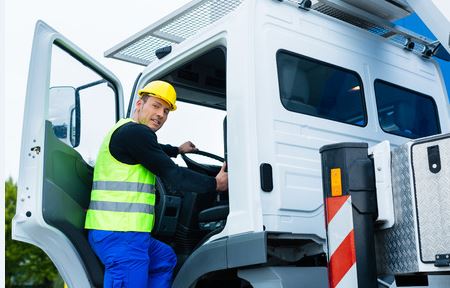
x=208, y=12
x=180, y=25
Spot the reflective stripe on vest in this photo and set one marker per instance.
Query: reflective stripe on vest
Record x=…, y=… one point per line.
x=121, y=207
x=123, y=186
x=122, y=197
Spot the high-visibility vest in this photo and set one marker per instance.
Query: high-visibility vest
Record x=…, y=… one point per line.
x=123, y=195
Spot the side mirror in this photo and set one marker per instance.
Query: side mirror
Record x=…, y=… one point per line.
x=75, y=126
x=64, y=113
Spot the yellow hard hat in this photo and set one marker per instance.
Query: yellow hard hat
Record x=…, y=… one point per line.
x=163, y=90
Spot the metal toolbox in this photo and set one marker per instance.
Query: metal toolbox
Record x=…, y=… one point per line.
x=419, y=241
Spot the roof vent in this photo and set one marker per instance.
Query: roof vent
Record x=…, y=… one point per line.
x=171, y=30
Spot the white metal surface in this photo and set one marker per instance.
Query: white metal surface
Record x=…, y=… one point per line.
x=28, y=223
x=374, y=16
x=382, y=162
x=289, y=140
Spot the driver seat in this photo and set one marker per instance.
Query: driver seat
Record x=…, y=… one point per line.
x=213, y=218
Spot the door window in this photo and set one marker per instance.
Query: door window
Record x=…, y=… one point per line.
x=82, y=104
x=320, y=89
x=405, y=112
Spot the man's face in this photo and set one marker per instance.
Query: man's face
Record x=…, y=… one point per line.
x=152, y=113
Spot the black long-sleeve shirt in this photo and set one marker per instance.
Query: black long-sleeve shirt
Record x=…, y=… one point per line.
x=135, y=143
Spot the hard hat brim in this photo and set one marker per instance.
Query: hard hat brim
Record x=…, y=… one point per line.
x=172, y=107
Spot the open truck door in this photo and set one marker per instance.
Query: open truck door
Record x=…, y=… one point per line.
x=71, y=102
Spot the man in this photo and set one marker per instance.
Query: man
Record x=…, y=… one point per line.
x=120, y=216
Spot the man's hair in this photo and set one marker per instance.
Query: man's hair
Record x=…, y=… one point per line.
x=145, y=97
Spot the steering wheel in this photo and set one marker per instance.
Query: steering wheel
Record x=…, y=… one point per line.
x=208, y=169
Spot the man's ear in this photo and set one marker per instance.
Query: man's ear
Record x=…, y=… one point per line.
x=139, y=103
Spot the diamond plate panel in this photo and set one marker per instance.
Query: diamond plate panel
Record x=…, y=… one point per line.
x=432, y=192
x=396, y=247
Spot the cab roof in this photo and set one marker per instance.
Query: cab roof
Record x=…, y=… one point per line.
x=375, y=16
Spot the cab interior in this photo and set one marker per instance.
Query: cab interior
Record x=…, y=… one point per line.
x=184, y=219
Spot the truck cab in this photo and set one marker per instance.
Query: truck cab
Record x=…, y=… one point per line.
x=272, y=82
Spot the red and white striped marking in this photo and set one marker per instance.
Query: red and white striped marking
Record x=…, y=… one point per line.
x=341, y=243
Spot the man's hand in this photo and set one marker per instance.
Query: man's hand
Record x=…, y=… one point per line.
x=222, y=179
x=187, y=147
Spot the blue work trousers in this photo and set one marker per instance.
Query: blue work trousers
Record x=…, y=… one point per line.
x=133, y=259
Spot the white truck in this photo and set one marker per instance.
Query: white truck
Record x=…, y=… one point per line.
x=286, y=78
